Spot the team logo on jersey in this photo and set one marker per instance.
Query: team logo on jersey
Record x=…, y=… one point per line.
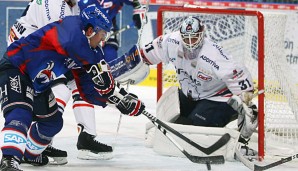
x=204, y=77
x=45, y=75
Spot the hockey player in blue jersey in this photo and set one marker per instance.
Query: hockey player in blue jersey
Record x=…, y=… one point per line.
x=30, y=65
x=88, y=145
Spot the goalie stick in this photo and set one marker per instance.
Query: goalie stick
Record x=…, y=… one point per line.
x=196, y=159
x=257, y=167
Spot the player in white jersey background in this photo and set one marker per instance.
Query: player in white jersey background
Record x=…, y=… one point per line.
x=208, y=78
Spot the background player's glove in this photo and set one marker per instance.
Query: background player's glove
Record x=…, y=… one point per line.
x=247, y=116
x=139, y=14
x=102, y=77
x=127, y=103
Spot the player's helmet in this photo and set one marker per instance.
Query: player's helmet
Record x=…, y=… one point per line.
x=84, y=3
x=192, y=33
x=97, y=17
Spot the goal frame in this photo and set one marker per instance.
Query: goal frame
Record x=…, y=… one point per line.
x=260, y=19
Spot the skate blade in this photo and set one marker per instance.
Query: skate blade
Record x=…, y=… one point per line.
x=57, y=160
x=89, y=155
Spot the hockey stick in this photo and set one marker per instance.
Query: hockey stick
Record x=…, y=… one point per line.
x=273, y=164
x=218, y=144
x=214, y=159
x=131, y=25
x=256, y=167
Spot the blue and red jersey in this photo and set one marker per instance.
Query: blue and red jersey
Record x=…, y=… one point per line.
x=53, y=50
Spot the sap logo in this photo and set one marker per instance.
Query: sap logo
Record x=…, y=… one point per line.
x=32, y=146
x=204, y=77
x=174, y=41
x=14, y=138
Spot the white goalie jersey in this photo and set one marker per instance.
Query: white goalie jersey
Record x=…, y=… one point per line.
x=38, y=14
x=210, y=74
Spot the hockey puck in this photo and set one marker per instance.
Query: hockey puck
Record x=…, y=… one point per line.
x=208, y=165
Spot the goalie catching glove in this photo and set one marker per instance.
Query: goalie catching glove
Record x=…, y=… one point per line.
x=247, y=115
x=139, y=14
x=127, y=103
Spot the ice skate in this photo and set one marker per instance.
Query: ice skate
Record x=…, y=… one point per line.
x=40, y=160
x=91, y=149
x=56, y=156
x=10, y=163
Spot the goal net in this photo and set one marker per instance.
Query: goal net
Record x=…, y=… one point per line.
x=256, y=39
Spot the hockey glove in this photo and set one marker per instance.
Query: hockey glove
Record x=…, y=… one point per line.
x=247, y=116
x=102, y=77
x=127, y=104
x=139, y=16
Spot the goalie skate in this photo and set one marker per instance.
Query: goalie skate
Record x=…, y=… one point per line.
x=91, y=149
x=56, y=156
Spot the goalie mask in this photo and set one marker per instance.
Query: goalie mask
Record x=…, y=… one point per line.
x=192, y=33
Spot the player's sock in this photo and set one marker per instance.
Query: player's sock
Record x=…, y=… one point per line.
x=56, y=156
x=91, y=149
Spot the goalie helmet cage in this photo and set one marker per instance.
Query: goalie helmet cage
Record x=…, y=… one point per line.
x=248, y=36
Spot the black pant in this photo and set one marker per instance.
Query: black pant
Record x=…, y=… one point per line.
x=205, y=112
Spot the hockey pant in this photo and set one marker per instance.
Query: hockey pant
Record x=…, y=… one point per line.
x=204, y=112
x=20, y=107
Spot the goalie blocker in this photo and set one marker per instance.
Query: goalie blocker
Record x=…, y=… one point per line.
x=129, y=67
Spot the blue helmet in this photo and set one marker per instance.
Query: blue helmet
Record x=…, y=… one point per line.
x=97, y=17
x=84, y=3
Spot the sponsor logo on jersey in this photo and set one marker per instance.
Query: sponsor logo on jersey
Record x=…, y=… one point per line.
x=237, y=74
x=62, y=12
x=20, y=28
x=38, y=2
x=3, y=94
x=13, y=138
x=159, y=42
x=220, y=51
x=15, y=83
x=204, y=77
x=212, y=63
x=187, y=76
x=29, y=93
x=32, y=146
x=47, y=9
x=102, y=15
x=3, y=91
x=174, y=41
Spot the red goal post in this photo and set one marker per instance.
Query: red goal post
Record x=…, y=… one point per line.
x=260, y=46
